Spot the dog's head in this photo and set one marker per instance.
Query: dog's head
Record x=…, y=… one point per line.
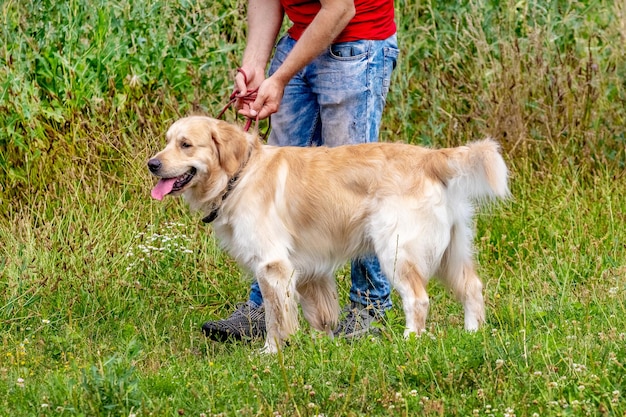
x=201, y=155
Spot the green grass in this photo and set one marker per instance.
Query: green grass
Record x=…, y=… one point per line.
x=103, y=290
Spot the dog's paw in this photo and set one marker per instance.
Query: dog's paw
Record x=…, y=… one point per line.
x=471, y=328
x=471, y=323
x=408, y=333
x=269, y=349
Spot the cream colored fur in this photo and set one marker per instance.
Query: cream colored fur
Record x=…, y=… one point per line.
x=295, y=215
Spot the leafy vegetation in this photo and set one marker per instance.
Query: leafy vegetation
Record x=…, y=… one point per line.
x=103, y=291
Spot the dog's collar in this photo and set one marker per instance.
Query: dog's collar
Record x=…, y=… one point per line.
x=231, y=184
x=213, y=214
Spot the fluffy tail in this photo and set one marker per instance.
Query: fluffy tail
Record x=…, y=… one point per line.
x=478, y=170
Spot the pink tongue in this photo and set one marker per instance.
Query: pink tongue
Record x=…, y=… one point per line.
x=164, y=186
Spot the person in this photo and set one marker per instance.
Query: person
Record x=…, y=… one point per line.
x=327, y=85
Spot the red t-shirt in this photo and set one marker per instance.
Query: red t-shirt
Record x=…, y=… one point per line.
x=374, y=19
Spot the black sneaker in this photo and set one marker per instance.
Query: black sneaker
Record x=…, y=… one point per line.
x=358, y=321
x=247, y=322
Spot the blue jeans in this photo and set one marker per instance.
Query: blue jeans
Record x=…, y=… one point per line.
x=338, y=99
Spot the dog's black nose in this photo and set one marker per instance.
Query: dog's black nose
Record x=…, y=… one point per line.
x=154, y=165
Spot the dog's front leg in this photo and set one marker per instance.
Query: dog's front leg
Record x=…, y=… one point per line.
x=277, y=281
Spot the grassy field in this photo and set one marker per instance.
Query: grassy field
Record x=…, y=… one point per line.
x=103, y=290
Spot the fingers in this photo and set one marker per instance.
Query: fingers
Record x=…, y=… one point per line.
x=267, y=100
x=261, y=108
x=240, y=84
x=249, y=111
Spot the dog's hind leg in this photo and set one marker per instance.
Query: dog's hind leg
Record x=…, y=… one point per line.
x=318, y=299
x=277, y=281
x=458, y=273
x=472, y=298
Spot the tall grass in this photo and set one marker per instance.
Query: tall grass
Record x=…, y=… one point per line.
x=103, y=291
x=546, y=79
x=74, y=71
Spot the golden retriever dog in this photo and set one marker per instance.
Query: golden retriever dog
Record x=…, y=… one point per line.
x=294, y=215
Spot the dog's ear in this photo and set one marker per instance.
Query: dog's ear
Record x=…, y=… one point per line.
x=231, y=146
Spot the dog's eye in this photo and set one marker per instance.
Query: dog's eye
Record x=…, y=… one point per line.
x=185, y=145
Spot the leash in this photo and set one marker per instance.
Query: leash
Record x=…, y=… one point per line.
x=248, y=98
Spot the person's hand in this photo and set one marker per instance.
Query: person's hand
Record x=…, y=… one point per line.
x=247, y=82
x=267, y=100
